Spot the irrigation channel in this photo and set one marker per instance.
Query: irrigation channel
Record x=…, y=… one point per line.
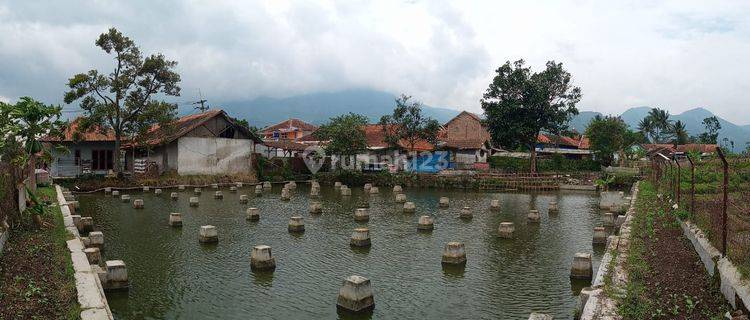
x=173, y=276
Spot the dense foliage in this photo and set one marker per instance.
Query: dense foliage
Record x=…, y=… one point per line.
x=344, y=133
x=609, y=136
x=409, y=124
x=556, y=163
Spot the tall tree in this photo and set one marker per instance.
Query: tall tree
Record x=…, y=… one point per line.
x=345, y=134
x=661, y=124
x=679, y=133
x=407, y=123
x=607, y=137
x=646, y=127
x=520, y=104
x=711, y=135
x=125, y=100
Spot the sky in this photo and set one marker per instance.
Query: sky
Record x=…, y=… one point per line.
x=677, y=55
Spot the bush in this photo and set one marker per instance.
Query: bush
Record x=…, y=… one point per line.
x=556, y=163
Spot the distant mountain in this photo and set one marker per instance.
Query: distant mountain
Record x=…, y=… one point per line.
x=318, y=107
x=693, y=120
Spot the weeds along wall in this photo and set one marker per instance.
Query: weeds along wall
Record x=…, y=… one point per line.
x=556, y=163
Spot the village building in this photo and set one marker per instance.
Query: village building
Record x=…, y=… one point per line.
x=288, y=130
x=669, y=149
x=467, y=140
x=210, y=142
x=569, y=147
x=381, y=155
x=91, y=152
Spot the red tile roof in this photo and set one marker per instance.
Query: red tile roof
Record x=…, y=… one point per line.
x=375, y=137
x=71, y=134
x=159, y=135
x=286, y=145
x=292, y=123
x=699, y=147
x=581, y=143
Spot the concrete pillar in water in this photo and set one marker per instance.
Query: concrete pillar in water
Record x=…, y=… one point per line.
x=400, y=198
x=107, y=190
x=146, y=189
x=197, y=191
x=466, y=213
x=193, y=201
x=115, y=193
x=552, y=208
x=258, y=190
x=355, y=295
x=77, y=222
x=426, y=223
x=138, y=203
x=539, y=316
x=243, y=198
x=181, y=187
x=314, y=192
x=495, y=205
x=267, y=185
x=360, y=238
x=93, y=255
x=214, y=186
x=609, y=219
x=238, y=184
x=361, y=214
x=96, y=239
x=285, y=194
x=368, y=186
x=157, y=192
x=581, y=268
x=292, y=185
x=600, y=235
x=506, y=230
x=454, y=253
x=174, y=195
x=252, y=214
x=315, y=207
x=208, y=234
x=374, y=190
x=232, y=189
x=345, y=191
x=73, y=206
x=125, y=198
x=314, y=184
x=87, y=224
x=533, y=216
x=296, y=224
x=410, y=207
x=444, y=202
x=261, y=259
x=397, y=189
x=337, y=184
x=175, y=219
x=117, y=275
x=620, y=220
x=218, y=195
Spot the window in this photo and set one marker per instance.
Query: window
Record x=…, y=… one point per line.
x=77, y=157
x=101, y=160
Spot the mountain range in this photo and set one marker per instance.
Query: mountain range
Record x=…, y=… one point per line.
x=318, y=107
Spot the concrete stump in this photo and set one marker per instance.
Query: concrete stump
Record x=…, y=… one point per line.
x=125, y=198
x=397, y=189
x=315, y=207
x=261, y=259
x=368, y=186
x=193, y=201
x=495, y=205
x=355, y=295
x=157, y=192
x=552, y=208
x=218, y=195
x=292, y=185
x=214, y=186
x=285, y=195
x=252, y=214
x=454, y=253
x=345, y=191
x=361, y=214
x=540, y=316
x=533, y=216
x=620, y=220
x=232, y=189
x=410, y=207
x=117, y=275
x=466, y=213
x=374, y=190
x=96, y=239
x=267, y=185
x=444, y=202
x=296, y=224
x=138, y=204
x=175, y=219
x=506, y=230
x=73, y=206
x=337, y=184
x=115, y=193
x=426, y=223
x=197, y=191
x=174, y=195
x=208, y=234
x=243, y=198
x=600, y=235
x=93, y=255
x=360, y=238
x=314, y=192
x=314, y=184
x=181, y=187
x=609, y=219
x=258, y=191
x=77, y=222
x=87, y=224
x=146, y=189
x=107, y=190
x=581, y=268
x=400, y=198
x=238, y=184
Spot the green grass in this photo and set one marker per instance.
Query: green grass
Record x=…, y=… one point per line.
x=635, y=304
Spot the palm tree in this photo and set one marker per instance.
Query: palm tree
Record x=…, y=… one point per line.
x=661, y=123
x=646, y=127
x=679, y=133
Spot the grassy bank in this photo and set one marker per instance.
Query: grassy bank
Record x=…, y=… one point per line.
x=36, y=271
x=666, y=278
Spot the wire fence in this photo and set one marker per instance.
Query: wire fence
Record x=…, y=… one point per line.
x=713, y=192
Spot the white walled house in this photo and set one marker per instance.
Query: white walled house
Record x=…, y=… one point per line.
x=90, y=152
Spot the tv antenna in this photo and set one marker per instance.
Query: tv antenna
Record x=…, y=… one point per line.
x=203, y=103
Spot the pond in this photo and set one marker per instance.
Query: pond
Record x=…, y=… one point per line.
x=173, y=276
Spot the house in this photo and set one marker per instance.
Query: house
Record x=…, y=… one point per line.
x=380, y=152
x=287, y=130
x=90, y=152
x=571, y=148
x=467, y=140
x=210, y=142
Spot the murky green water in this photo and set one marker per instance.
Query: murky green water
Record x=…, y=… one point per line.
x=172, y=276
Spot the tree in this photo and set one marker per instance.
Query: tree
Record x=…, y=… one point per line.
x=646, y=127
x=519, y=105
x=407, y=123
x=661, y=124
x=25, y=123
x=606, y=137
x=711, y=135
x=678, y=131
x=345, y=134
x=125, y=100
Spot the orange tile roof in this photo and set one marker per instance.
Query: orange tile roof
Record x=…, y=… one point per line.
x=699, y=147
x=71, y=134
x=290, y=123
x=159, y=135
x=582, y=143
x=376, y=139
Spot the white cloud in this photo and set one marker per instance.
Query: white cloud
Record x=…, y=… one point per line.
x=675, y=54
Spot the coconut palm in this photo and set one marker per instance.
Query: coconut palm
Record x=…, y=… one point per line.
x=646, y=127
x=679, y=133
x=660, y=120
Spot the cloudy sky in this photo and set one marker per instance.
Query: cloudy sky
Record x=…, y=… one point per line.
x=675, y=54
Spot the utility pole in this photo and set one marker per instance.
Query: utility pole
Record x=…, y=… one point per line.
x=203, y=102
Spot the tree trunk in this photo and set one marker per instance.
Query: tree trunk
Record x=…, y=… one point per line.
x=532, y=164
x=116, y=165
x=32, y=172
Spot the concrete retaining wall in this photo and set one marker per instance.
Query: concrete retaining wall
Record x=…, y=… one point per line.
x=91, y=296
x=214, y=156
